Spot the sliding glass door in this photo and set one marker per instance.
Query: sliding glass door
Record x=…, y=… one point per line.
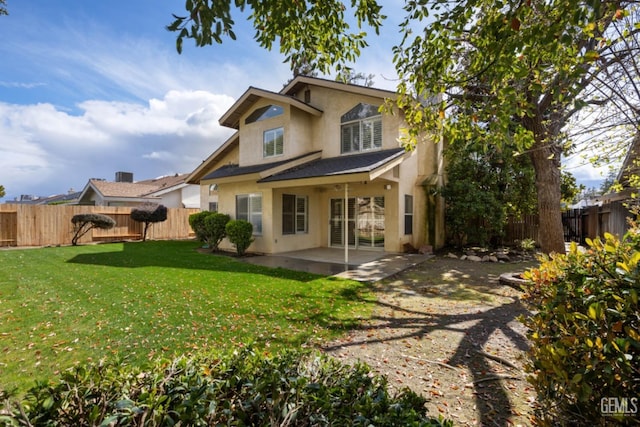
x=365, y=222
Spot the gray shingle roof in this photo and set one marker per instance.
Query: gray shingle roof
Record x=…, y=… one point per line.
x=235, y=170
x=348, y=164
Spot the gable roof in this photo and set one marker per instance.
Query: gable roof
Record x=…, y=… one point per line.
x=122, y=189
x=148, y=189
x=232, y=117
x=167, y=182
x=300, y=82
x=629, y=166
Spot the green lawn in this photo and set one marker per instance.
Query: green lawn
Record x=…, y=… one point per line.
x=69, y=305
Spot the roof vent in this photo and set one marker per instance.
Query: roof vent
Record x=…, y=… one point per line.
x=124, y=177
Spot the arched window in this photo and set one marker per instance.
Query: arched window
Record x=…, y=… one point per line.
x=361, y=129
x=213, y=189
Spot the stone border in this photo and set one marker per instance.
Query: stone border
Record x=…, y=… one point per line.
x=513, y=279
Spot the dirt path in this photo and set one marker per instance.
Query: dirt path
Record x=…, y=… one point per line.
x=448, y=330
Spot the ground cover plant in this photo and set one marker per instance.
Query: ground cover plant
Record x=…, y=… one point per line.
x=242, y=387
x=66, y=306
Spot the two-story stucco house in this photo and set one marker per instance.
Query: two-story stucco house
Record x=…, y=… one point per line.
x=318, y=165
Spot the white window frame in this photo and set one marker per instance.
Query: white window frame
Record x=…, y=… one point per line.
x=254, y=210
x=273, y=142
x=368, y=138
x=300, y=214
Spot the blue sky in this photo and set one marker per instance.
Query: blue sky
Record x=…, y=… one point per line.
x=89, y=88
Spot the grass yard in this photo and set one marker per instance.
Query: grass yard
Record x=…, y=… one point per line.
x=64, y=306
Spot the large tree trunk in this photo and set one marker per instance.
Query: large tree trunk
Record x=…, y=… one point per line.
x=546, y=163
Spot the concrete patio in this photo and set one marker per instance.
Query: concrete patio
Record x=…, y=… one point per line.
x=363, y=265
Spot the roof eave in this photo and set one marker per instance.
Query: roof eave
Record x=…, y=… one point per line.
x=231, y=118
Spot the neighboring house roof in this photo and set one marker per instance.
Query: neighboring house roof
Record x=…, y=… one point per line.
x=630, y=166
x=343, y=165
x=165, y=182
x=47, y=200
x=147, y=190
x=122, y=189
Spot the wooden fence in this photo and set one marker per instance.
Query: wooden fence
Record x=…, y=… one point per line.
x=578, y=224
x=44, y=225
x=594, y=221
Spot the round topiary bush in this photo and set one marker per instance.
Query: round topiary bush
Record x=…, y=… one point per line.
x=585, y=353
x=240, y=388
x=240, y=232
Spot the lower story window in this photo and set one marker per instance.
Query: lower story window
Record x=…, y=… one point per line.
x=249, y=208
x=294, y=214
x=213, y=206
x=408, y=214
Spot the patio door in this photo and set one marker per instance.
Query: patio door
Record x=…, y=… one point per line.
x=365, y=222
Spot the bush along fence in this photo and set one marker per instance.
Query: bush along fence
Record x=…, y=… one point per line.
x=45, y=225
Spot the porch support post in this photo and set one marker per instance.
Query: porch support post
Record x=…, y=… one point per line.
x=346, y=224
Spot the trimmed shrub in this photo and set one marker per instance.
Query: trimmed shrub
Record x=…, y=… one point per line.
x=210, y=227
x=196, y=221
x=584, y=332
x=149, y=213
x=82, y=223
x=215, y=228
x=239, y=388
x=240, y=233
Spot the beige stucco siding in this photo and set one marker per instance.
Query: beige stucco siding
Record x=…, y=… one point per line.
x=252, y=134
x=327, y=133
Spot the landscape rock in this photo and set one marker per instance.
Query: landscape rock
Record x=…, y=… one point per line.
x=503, y=257
x=474, y=258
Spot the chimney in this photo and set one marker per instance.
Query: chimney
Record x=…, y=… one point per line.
x=124, y=177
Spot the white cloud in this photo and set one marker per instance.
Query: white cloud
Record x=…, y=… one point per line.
x=44, y=150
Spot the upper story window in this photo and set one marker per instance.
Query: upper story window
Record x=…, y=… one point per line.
x=213, y=189
x=273, y=142
x=264, y=113
x=361, y=129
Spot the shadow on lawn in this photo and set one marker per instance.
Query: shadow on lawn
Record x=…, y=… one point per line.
x=182, y=255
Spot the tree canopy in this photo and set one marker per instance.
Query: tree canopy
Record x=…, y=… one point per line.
x=496, y=73
x=2, y=192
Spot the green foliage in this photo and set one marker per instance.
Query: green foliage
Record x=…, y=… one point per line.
x=483, y=187
x=584, y=330
x=312, y=34
x=240, y=233
x=196, y=221
x=82, y=223
x=2, y=192
x=215, y=228
x=239, y=388
x=210, y=227
x=569, y=188
x=149, y=213
x=528, y=245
